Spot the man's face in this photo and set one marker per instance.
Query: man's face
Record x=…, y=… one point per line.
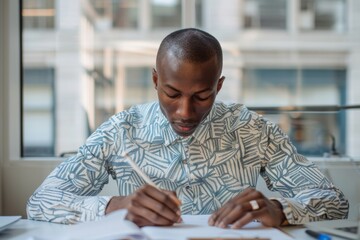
x=186, y=91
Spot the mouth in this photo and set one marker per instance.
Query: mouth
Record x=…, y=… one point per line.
x=184, y=129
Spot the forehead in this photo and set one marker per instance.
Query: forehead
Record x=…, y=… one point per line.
x=175, y=71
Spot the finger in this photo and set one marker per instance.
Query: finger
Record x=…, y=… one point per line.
x=155, y=218
x=138, y=220
x=172, y=194
x=218, y=215
x=235, y=213
x=159, y=207
x=213, y=217
x=235, y=203
x=247, y=218
x=222, y=215
x=141, y=222
x=171, y=201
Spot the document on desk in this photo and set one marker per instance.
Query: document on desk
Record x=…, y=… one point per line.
x=194, y=227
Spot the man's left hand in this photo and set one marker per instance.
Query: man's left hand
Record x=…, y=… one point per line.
x=238, y=211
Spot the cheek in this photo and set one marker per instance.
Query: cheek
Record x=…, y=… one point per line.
x=206, y=107
x=167, y=106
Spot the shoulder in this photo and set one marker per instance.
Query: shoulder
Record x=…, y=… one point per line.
x=236, y=116
x=136, y=116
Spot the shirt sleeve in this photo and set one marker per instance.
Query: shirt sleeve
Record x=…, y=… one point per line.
x=307, y=195
x=68, y=194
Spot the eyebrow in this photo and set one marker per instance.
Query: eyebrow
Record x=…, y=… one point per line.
x=176, y=90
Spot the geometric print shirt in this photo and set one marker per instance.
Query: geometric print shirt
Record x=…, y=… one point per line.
x=227, y=153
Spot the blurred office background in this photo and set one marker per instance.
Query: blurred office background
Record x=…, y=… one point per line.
x=85, y=60
x=81, y=61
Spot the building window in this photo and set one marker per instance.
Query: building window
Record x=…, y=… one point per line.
x=116, y=14
x=322, y=15
x=313, y=133
x=38, y=112
x=96, y=60
x=139, y=86
x=166, y=13
x=264, y=14
x=38, y=14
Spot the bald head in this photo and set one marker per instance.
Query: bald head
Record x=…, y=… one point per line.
x=190, y=45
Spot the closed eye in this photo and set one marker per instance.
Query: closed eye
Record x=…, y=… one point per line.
x=172, y=95
x=202, y=98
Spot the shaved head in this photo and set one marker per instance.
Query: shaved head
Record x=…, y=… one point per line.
x=190, y=45
x=187, y=78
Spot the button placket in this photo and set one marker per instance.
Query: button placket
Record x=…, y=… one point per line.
x=186, y=163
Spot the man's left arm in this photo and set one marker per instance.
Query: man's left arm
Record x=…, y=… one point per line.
x=307, y=194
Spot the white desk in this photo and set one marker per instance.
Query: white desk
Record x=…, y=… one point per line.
x=22, y=230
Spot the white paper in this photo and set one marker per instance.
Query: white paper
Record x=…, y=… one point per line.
x=196, y=226
x=114, y=226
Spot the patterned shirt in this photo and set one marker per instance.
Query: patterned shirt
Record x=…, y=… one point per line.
x=226, y=154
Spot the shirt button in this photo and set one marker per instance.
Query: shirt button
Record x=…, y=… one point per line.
x=184, y=161
x=187, y=187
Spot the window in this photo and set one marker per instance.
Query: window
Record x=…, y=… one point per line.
x=322, y=15
x=166, y=13
x=39, y=14
x=84, y=61
x=265, y=14
x=116, y=13
x=139, y=86
x=311, y=133
x=38, y=112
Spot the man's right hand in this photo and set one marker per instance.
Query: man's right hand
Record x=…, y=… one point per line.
x=148, y=206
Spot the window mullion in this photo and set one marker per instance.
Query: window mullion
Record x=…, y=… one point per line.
x=188, y=18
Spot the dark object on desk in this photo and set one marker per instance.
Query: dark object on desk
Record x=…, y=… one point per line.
x=342, y=228
x=317, y=235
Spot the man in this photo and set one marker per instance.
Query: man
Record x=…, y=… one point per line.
x=206, y=154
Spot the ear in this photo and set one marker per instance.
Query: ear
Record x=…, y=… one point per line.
x=154, y=77
x=219, y=84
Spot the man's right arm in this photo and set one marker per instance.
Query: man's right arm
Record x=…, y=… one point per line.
x=148, y=206
x=68, y=194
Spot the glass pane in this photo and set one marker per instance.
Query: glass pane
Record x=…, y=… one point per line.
x=38, y=14
x=139, y=86
x=116, y=14
x=166, y=13
x=38, y=112
x=199, y=13
x=323, y=15
x=323, y=87
x=260, y=85
x=264, y=14
x=312, y=133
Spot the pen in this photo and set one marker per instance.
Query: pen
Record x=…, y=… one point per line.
x=139, y=171
x=318, y=235
x=145, y=177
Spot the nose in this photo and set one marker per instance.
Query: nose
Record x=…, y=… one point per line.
x=185, y=109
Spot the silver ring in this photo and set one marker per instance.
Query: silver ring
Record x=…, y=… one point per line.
x=254, y=205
